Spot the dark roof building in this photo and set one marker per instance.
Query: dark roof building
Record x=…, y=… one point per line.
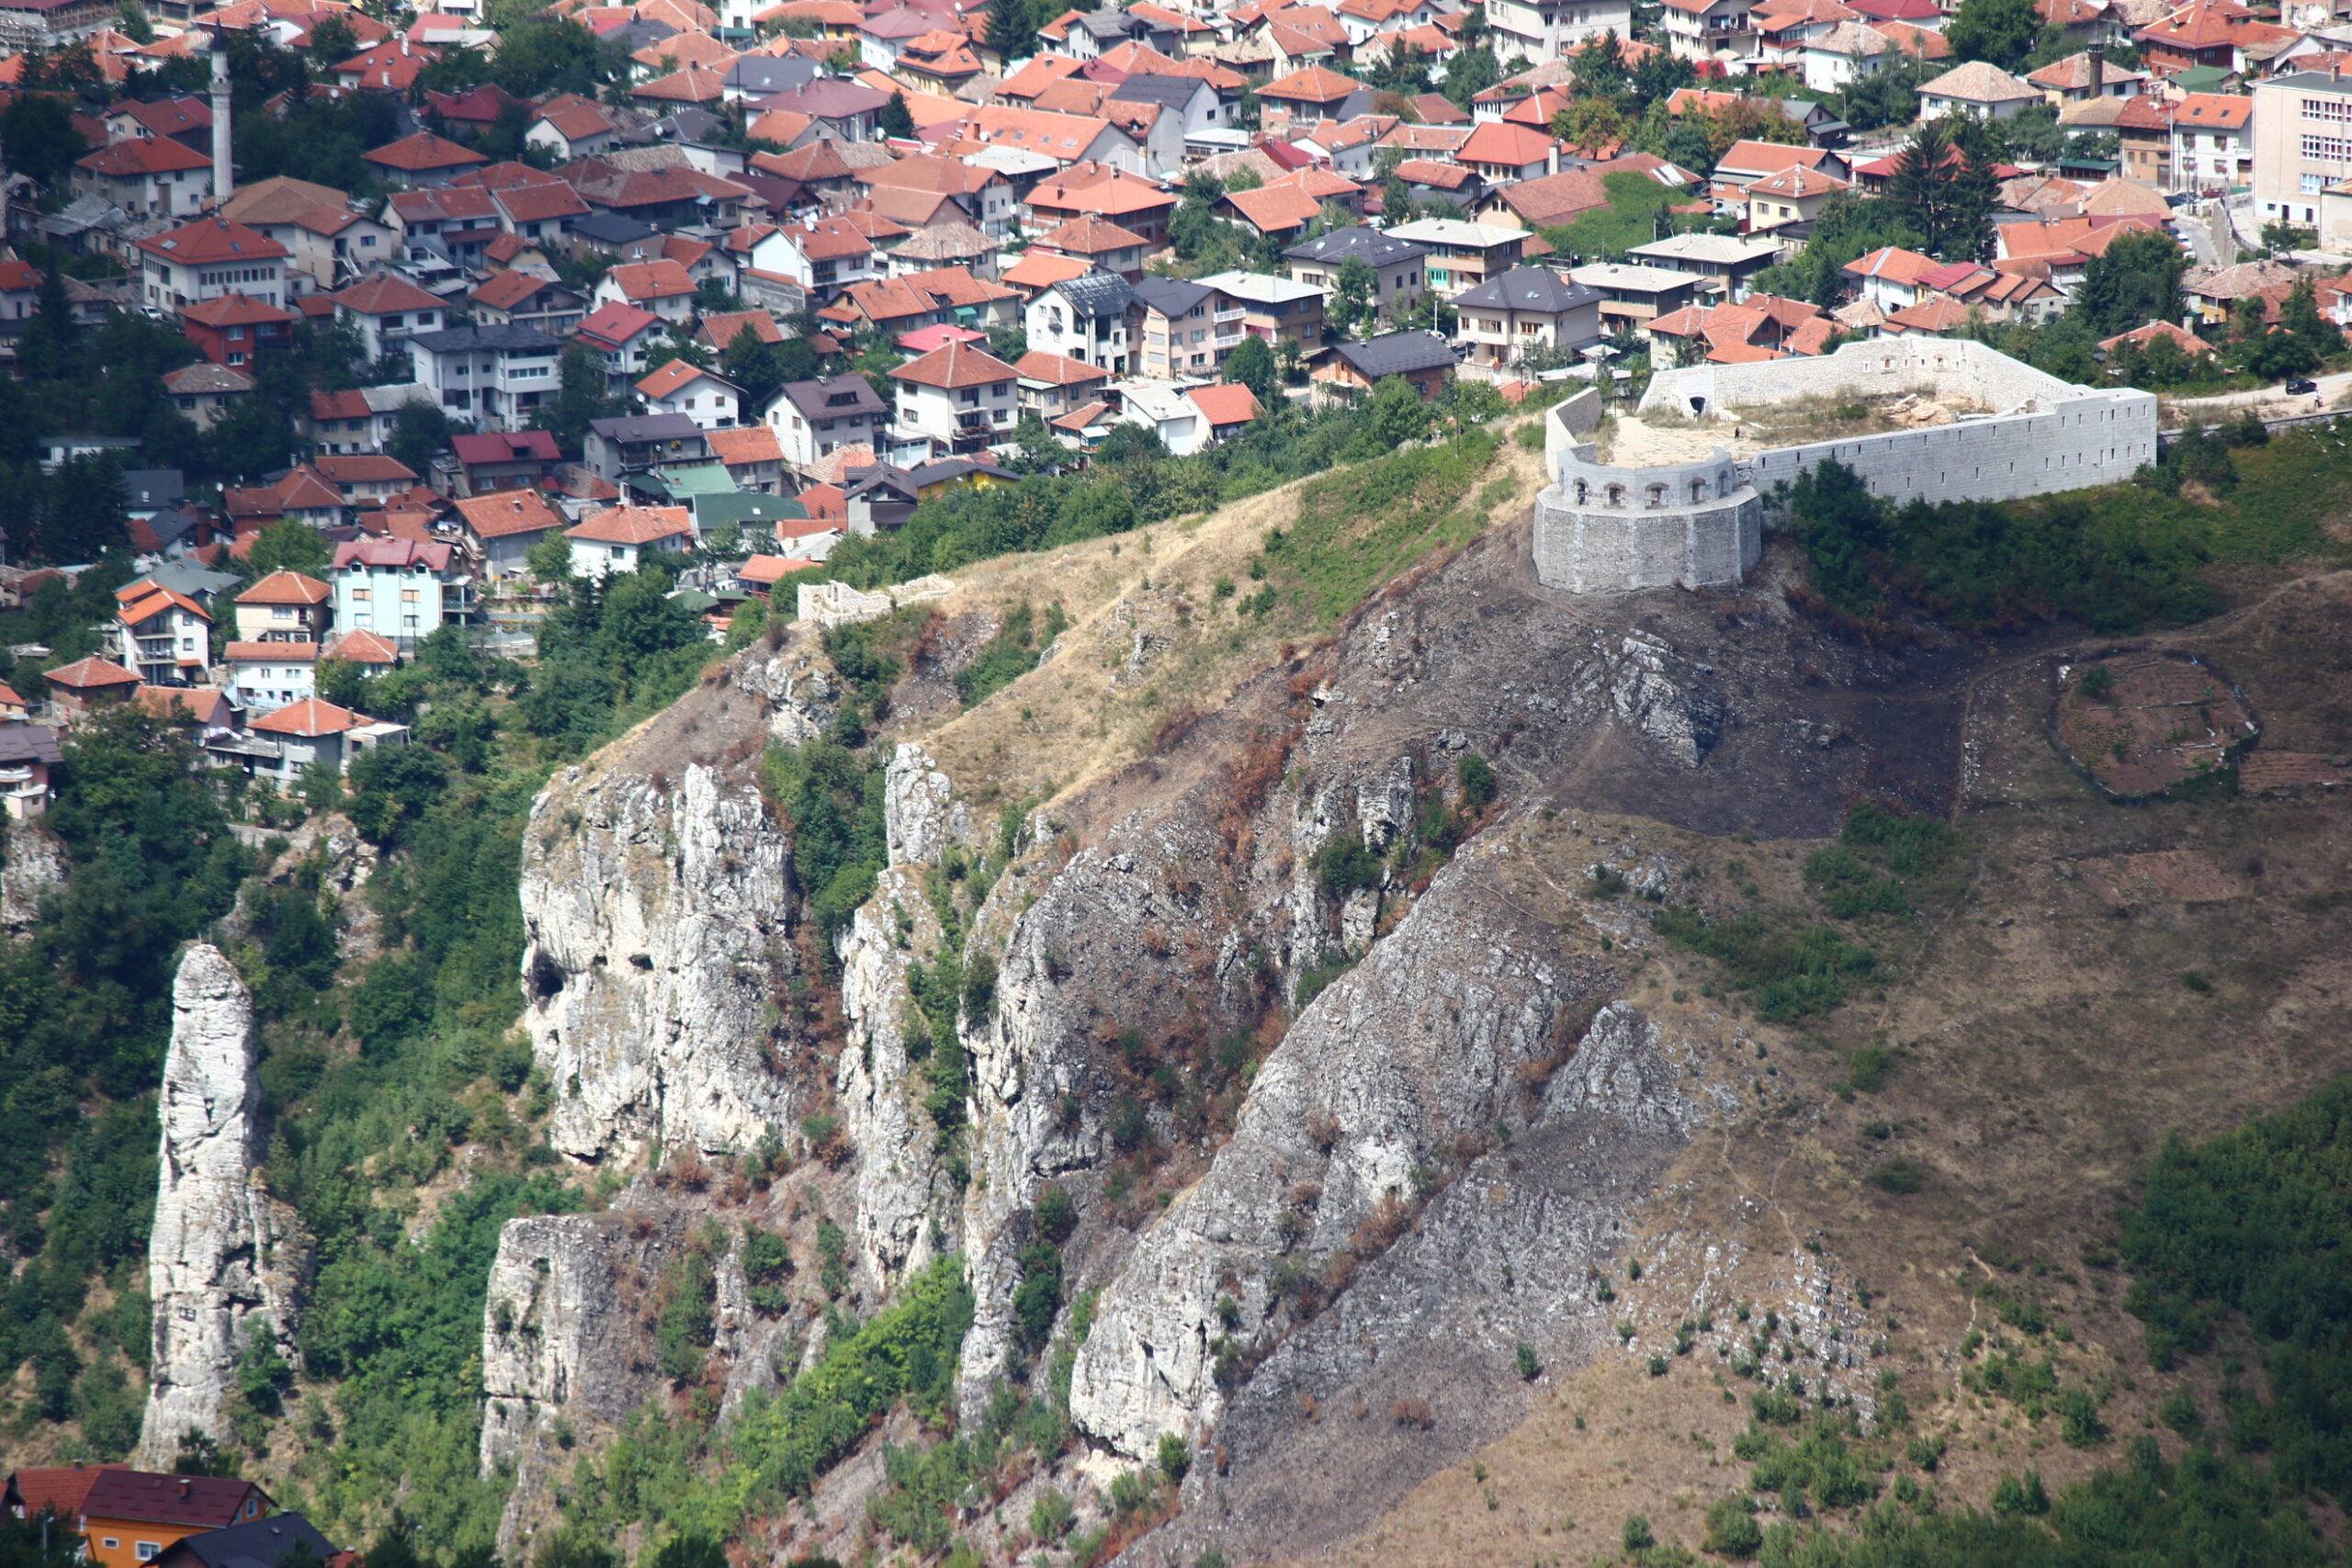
x=1169, y=297
x=1532, y=288
x=1375, y=248
x=258, y=1543
x=1398, y=353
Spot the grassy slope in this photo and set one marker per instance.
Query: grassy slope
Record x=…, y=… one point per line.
x=1093, y=708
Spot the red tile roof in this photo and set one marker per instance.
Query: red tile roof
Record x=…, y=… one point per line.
x=309, y=719
x=233, y=311
x=363, y=648
x=87, y=675
x=55, y=1489
x=957, y=365
x=141, y=155
x=752, y=444
x=284, y=587
x=384, y=293
x=284, y=652
x=1225, y=404
x=422, y=152
x=635, y=525
x=209, y=242
x=508, y=511
x=138, y=1496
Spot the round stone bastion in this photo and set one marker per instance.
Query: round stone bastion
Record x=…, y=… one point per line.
x=1604, y=530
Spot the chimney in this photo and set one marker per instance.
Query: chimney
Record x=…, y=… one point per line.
x=1552, y=159
x=2098, y=70
x=224, y=168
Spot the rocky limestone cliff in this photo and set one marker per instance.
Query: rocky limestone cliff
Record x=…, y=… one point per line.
x=1420, y=1046
x=657, y=917
x=224, y=1260
x=902, y=1199
x=564, y=1356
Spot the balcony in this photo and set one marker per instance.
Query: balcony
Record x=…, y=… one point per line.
x=1224, y=316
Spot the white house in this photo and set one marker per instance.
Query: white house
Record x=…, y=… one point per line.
x=1547, y=30
x=316, y=731
x=1083, y=318
x=956, y=398
x=402, y=590
x=813, y=419
x=620, y=539
x=503, y=524
x=164, y=635
x=713, y=403
x=267, y=675
x=1979, y=89
x=209, y=258
x=497, y=374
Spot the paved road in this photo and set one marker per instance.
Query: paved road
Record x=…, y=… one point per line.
x=2200, y=235
x=2272, y=401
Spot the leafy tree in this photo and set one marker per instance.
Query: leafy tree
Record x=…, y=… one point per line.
x=1398, y=413
x=37, y=131
x=332, y=42
x=2134, y=281
x=549, y=560
x=289, y=545
x=581, y=396
x=418, y=431
x=1999, y=32
x=897, y=121
x=1471, y=72
x=251, y=439
x=542, y=54
x=393, y=784
x=1252, y=364
x=1356, y=286
x=1599, y=68
x=83, y=516
x=1590, y=124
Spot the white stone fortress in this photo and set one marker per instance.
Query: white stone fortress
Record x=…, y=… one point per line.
x=1696, y=524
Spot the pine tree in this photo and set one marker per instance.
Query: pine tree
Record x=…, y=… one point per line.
x=1012, y=30
x=898, y=120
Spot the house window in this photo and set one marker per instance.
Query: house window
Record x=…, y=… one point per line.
x=145, y=1551
x=112, y=1543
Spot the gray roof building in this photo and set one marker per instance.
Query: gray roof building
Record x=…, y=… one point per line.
x=629, y=430
x=1396, y=354
x=832, y=397
x=256, y=1543
x=1170, y=297
x=1377, y=249
x=760, y=74
x=1534, y=288
x=502, y=340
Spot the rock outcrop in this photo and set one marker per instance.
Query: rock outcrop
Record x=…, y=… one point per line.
x=920, y=811
x=224, y=1260
x=1379, y=1083
x=564, y=1356
x=900, y=1193
x=32, y=867
x=658, y=919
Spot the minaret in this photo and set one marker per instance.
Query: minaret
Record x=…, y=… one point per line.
x=224, y=171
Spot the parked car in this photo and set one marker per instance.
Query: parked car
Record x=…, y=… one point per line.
x=2298, y=386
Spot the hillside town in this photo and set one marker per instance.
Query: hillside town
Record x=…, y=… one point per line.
x=601, y=285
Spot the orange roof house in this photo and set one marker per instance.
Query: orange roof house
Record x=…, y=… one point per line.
x=129, y=1516
x=424, y=157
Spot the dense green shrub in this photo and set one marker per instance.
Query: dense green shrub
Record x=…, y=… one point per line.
x=1793, y=970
